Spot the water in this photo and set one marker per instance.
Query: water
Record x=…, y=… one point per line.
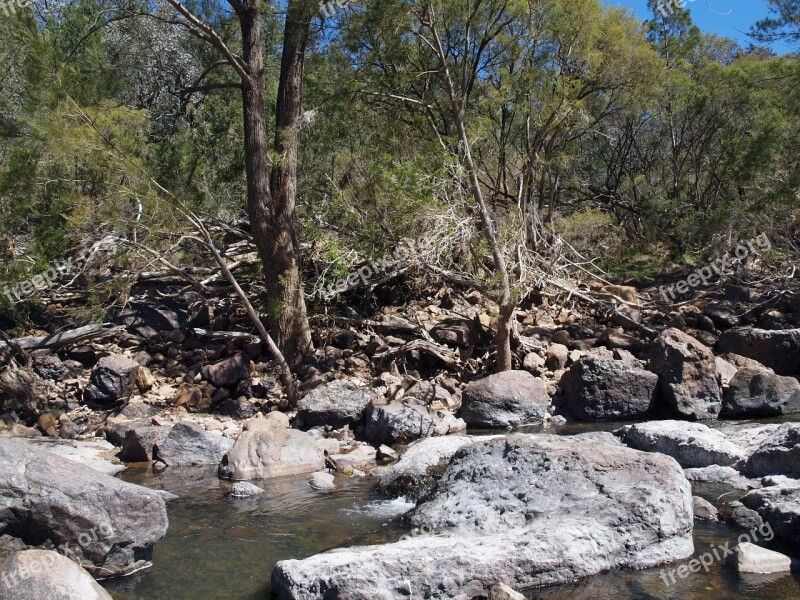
x=218, y=548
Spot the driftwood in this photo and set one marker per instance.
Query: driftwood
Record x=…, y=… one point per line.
x=64, y=338
x=391, y=324
x=446, y=355
x=226, y=335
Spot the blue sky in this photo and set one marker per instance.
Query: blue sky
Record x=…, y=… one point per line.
x=729, y=18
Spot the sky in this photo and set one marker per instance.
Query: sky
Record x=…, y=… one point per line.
x=729, y=18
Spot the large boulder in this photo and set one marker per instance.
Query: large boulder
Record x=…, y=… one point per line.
x=190, y=444
x=687, y=375
x=140, y=442
x=779, y=507
x=693, y=445
x=228, y=372
x=754, y=393
x=778, y=454
x=148, y=318
x=107, y=524
x=506, y=399
x=598, y=388
x=525, y=510
x=113, y=378
x=778, y=350
x=337, y=404
x=272, y=450
x=406, y=421
x=47, y=575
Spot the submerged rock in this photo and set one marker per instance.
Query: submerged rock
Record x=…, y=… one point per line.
x=47, y=575
x=110, y=525
x=243, y=489
x=526, y=510
x=693, y=445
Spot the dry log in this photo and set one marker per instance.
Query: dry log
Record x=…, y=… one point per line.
x=65, y=338
x=446, y=355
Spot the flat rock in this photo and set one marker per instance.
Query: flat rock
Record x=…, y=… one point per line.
x=190, y=444
x=515, y=510
x=600, y=388
x=779, y=350
x=749, y=558
x=505, y=399
x=337, y=404
x=691, y=444
x=95, y=454
x=273, y=452
x=110, y=525
x=724, y=475
x=47, y=575
x=687, y=375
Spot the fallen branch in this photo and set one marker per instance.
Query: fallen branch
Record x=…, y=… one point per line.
x=447, y=356
x=64, y=338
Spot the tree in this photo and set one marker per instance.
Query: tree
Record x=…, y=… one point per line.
x=782, y=25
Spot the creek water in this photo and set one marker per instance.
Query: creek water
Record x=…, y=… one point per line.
x=218, y=548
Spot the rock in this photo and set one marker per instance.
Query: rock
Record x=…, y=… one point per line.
x=337, y=404
x=504, y=400
x=229, y=372
x=322, y=480
x=557, y=357
x=113, y=378
x=49, y=366
x=363, y=458
x=108, y=524
x=501, y=591
x=778, y=350
x=244, y=489
x=85, y=355
x=139, y=442
x=272, y=452
x=779, y=453
x=599, y=388
x=687, y=375
x=779, y=507
x=754, y=394
x=462, y=333
x=615, y=340
x=48, y=425
x=116, y=430
x=435, y=396
x=515, y=510
x=703, y=509
x=749, y=558
x=147, y=318
x=385, y=453
x=409, y=420
x=533, y=363
x=743, y=517
x=240, y=408
x=725, y=370
x=190, y=396
x=722, y=316
x=190, y=444
x=421, y=464
x=47, y=575
x=329, y=445
x=138, y=410
x=693, y=445
x=742, y=362
x=561, y=337
x=724, y=475
x=145, y=380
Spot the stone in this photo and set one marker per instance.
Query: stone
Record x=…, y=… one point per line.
x=337, y=404
x=778, y=454
x=749, y=558
x=533, y=363
x=147, y=318
x=742, y=362
x=778, y=350
x=561, y=337
x=113, y=379
x=723, y=316
x=779, y=507
x=754, y=394
x=501, y=591
x=139, y=442
x=363, y=458
x=704, y=510
x=462, y=333
x=229, y=372
x=693, y=445
x=108, y=524
x=188, y=395
x=505, y=399
x=687, y=375
x=322, y=480
x=598, y=388
x=49, y=366
x=190, y=444
x=239, y=408
x=47, y=575
x=430, y=394
x=408, y=420
x=724, y=475
x=725, y=370
x=244, y=489
x=48, y=424
x=557, y=357
x=515, y=510
x=145, y=380
x=272, y=452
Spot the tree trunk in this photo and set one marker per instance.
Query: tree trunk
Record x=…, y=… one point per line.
x=272, y=222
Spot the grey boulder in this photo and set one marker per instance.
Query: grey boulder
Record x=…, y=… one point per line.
x=337, y=404
x=140, y=442
x=778, y=350
x=687, y=375
x=598, y=388
x=108, y=524
x=408, y=420
x=779, y=507
x=47, y=575
x=754, y=393
x=113, y=379
x=229, y=372
x=778, y=454
x=190, y=444
x=693, y=445
x=505, y=399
